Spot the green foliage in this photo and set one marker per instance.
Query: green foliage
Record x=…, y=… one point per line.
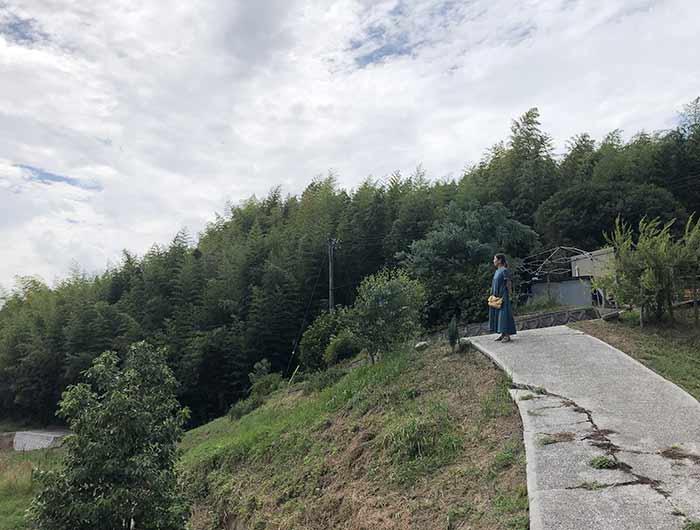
x=452, y=333
x=318, y=381
x=647, y=268
x=387, y=310
x=316, y=339
x=603, y=462
x=580, y=216
x=419, y=443
x=454, y=259
x=538, y=305
x=119, y=466
x=343, y=346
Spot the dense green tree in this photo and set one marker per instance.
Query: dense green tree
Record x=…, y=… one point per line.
x=119, y=468
x=580, y=216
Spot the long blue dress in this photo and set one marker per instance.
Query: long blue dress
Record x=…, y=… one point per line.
x=501, y=320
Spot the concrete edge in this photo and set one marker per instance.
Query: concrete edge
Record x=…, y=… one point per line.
x=534, y=511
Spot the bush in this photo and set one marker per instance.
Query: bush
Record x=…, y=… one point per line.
x=244, y=406
x=263, y=385
x=316, y=339
x=387, y=310
x=343, y=346
x=317, y=381
x=647, y=268
x=452, y=333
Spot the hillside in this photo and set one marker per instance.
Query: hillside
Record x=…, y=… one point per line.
x=421, y=440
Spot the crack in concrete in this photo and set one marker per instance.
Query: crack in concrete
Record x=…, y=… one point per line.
x=599, y=438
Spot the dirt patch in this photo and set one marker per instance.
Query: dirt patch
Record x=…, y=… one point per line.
x=675, y=453
x=6, y=440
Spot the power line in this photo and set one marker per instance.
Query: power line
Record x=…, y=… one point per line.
x=306, y=313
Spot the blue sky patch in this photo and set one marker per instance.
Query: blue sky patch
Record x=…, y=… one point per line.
x=42, y=176
x=23, y=31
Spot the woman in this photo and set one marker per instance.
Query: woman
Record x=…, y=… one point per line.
x=501, y=320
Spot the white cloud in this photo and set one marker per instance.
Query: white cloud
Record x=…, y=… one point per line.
x=175, y=108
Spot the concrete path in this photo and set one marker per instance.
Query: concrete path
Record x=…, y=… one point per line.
x=581, y=399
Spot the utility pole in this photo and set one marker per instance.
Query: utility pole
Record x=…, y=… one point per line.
x=331, y=253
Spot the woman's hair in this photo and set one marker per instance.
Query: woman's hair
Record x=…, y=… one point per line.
x=502, y=259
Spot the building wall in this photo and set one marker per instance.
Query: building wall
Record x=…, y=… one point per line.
x=593, y=265
x=572, y=293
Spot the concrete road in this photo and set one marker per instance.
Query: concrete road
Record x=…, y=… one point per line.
x=585, y=406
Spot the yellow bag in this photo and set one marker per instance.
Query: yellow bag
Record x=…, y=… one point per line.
x=495, y=302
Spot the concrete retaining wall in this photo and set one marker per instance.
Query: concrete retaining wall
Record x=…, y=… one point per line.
x=33, y=440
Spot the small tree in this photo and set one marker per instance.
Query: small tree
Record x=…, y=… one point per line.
x=644, y=271
x=119, y=471
x=452, y=333
x=387, y=310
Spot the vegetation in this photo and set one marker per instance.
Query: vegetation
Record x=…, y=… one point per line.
x=118, y=471
x=385, y=446
x=248, y=287
x=648, y=269
x=18, y=483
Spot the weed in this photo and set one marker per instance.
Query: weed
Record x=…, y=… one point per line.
x=497, y=403
x=603, y=462
x=593, y=486
x=505, y=458
x=421, y=442
x=555, y=438
x=692, y=525
x=527, y=397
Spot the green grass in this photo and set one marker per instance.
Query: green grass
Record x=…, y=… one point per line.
x=670, y=349
x=603, y=462
x=541, y=304
x=692, y=525
x=289, y=429
x=17, y=485
x=430, y=436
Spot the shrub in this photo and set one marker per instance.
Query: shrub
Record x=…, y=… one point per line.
x=317, y=381
x=646, y=270
x=452, y=334
x=316, y=339
x=343, y=346
x=244, y=406
x=387, y=310
x=263, y=385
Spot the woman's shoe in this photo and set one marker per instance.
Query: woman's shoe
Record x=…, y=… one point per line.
x=499, y=338
x=506, y=338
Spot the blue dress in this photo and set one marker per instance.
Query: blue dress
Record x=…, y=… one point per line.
x=501, y=320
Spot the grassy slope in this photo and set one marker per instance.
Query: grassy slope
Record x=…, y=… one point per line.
x=421, y=440
x=16, y=484
x=672, y=350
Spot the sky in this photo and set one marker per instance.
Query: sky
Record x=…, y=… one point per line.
x=122, y=122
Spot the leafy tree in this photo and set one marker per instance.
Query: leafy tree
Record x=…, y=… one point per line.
x=648, y=267
x=316, y=339
x=342, y=346
x=454, y=259
x=119, y=468
x=580, y=216
x=387, y=310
